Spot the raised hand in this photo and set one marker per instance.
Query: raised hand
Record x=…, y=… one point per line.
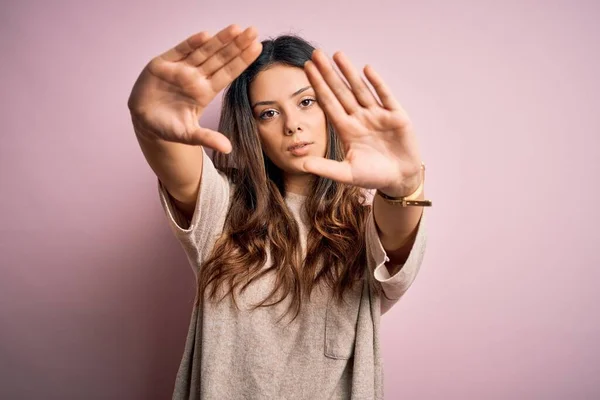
x=174, y=88
x=380, y=146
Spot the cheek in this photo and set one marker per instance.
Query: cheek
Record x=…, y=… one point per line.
x=320, y=125
x=319, y=120
x=269, y=142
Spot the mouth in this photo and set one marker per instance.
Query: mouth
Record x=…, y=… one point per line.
x=299, y=145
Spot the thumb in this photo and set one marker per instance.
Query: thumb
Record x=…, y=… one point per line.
x=209, y=138
x=339, y=171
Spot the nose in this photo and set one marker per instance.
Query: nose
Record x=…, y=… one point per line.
x=292, y=125
x=291, y=131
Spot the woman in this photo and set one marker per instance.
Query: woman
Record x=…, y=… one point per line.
x=294, y=265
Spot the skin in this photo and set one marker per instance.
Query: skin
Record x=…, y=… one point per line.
x=380, y=145
x=381, y=148
x=289, y=117
x=379, y=142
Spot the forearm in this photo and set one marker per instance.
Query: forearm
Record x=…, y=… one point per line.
x=397, y=228
x=178, y=166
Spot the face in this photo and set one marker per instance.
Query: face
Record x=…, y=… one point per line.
x=286, y=112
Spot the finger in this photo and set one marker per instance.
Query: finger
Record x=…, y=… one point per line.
x=183, y=49
x=235, y=67
x=326, y=98
x=335, y=82
x=385, y=94
x=209, y=138
x=360, y=89
x=229, y=52
x=339, y=171
x=217, y=42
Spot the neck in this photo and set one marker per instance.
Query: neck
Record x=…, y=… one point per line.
x=298, y=184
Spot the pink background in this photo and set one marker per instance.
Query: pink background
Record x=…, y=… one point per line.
x=96, y=294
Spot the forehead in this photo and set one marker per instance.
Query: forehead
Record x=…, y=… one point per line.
x=277, y=83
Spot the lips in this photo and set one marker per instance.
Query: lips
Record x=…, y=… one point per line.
x=298, y=145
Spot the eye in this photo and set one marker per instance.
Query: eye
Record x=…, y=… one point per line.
x=268, y=114
x=262, y=115
x=308, y=99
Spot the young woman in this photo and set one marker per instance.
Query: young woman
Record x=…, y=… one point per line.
x=296, y=259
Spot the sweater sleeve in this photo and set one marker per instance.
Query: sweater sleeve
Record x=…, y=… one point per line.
x=198, y=235
x=394, y=286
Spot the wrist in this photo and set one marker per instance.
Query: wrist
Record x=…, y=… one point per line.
x=406, y=188
x=406, y=195
x=141, y=133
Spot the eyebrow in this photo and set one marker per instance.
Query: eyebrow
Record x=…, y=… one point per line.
x=297, y=92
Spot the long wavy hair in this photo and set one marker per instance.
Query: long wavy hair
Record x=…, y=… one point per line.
x=259, y=220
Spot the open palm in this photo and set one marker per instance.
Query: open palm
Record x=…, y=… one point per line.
x=175, y=88
x=381, y=150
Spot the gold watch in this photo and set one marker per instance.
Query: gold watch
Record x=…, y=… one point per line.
x=410, y=200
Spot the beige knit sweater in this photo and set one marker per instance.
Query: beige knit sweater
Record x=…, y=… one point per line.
x=329, y=352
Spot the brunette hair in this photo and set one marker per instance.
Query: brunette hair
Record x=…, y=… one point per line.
x=259, y=220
